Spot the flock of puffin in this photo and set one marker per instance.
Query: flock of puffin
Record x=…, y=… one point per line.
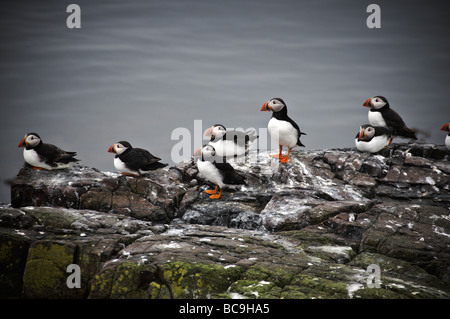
x=385, y=124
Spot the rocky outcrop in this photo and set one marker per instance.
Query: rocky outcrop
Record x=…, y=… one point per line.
x=306, y=229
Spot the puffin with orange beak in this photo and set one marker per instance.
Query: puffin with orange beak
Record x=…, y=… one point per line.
x=133, y=161
x=230, y=143
x=380, y=114
x=45, y=156
x=282, y=128
x=446, y=128
x=372, y=138
x=214, y=171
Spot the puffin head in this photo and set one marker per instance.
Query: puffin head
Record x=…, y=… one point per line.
x=30, y=140
x=446, y=127
x=119, y=147
x=366, y=133
x=205, y=151
x=216, y=132
x=208, y=151
x=376, y=102
x=274, y=105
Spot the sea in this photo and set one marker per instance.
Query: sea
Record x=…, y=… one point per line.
x=158, y=74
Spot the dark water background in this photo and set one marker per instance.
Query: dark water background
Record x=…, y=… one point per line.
x=138, y=69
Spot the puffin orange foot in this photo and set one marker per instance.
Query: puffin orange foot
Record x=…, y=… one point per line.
x=35, y=167
x=280, y=154
x=216, y=195
x=276, y=156
x=129, y=174
x=212, y=191
x=284, y=159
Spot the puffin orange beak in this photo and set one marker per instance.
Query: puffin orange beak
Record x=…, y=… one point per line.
x=196, y=151
x=266, y=107
x=111, y=149
x=367, y=103
x=361, y=135
x=208, y=132
x=446, y=127
x=22, y=142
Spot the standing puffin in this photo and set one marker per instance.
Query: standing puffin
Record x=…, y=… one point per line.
x=230, y=143
x=45, y=156
x=372, y=138
x=217, y=173
x=380, y=114
x=133, y=161
x=446, y=128
x=282, y=128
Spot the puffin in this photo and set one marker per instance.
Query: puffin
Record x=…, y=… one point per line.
x=380, y=114
x=282, y=128
x=372, y=138
x=45, y=156
x=229, y=143
x=218, y=173
x=133, y=161
x=446, y=128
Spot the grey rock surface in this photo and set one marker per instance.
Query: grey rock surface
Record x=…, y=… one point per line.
x=306, y=229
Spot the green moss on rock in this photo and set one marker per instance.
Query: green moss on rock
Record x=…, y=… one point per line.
x=189, y=280
x=13, y=256
x=278, y=275
x=256, y=289
x=127, y=280
x=308, y=286
x=45, y=271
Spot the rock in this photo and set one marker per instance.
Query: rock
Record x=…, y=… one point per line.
x=309, y=228
x=152, y=198
x=13, y=256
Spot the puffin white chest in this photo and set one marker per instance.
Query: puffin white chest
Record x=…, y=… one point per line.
x=227, y=148
x=447, y=141
x=210, y=172
x=32, y=158
x=376, y=119
x=375, y=145
x=283, y=132
x=121, y=167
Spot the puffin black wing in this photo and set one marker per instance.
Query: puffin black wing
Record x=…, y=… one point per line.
x=300, y=133
x=52, y=155
x=395, y=122
x=230, y=176
x=139, y=159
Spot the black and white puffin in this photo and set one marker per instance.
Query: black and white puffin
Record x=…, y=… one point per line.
x=372, y=138
x=282, y=128
x=45, y=156
x=230, y=143
x=133, y=161
x=216, y=172
x=380, y=114
x=446, y=128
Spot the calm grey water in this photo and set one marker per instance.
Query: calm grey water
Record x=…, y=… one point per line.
x=138, y=69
